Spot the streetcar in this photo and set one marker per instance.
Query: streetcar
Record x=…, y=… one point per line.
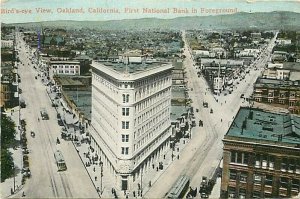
x=60, y=161
x=180, y=188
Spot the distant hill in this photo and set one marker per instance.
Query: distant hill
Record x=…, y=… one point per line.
x=241, y=20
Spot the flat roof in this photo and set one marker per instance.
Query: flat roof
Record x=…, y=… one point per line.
x=261, y=125
x=178, y=92
x=276, y=83
x=82, y=100
x=129, y=71
x=177, y=112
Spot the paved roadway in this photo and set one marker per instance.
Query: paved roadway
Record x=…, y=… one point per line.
x=204, y=152
x=46, y=181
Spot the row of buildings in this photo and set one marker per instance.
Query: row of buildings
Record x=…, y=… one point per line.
x=261, y=153
x=9, y=77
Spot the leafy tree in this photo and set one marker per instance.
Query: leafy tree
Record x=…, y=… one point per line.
x=7, y=169
x=8, y=131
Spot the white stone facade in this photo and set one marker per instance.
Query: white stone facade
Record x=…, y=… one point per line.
x=130, y=119
x=65, y=67
x=7, y=43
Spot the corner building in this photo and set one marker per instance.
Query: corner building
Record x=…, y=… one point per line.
x=261, y=156
x=130, y=125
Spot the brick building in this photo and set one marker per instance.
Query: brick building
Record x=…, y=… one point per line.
x=274, y=91
x=261, y=155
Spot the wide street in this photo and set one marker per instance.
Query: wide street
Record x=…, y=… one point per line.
x=204, y=152
x=46, y=181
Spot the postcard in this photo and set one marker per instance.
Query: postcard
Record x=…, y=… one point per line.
x=150, y=99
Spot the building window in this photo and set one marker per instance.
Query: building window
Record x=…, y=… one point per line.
x=125, y=150
x=256, y=194
x=243, y=177
x=232, y=174
x=125, y=138
x=269, y=180
x=125, y=125
x=239, y=157
x=257, y=179
x=284, y=183
x=231, y=192
x=125, y=98
x=125, y=111
x=242, y=193
x=296, y=185
x=271, y=163
x=284, y=165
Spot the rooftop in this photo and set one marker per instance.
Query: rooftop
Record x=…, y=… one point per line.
x=66, y=81
x=129, y=71
x=178, y=112
x=276, y=83
x=262, y=126
x=83, y=101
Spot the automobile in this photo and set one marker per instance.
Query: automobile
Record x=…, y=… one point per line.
x=25, y=151
x=60, y=122
x=54, y=105
x=242, y=96
x=25, y=169
x=193, y=123
x=204, y=195
x=205, y=104
x=32, y=134
x=44, y=114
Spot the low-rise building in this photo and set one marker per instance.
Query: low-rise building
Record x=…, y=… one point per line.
x=65, y=67
x=273, y=91
x=7, y=43
x=9, y=86
x=261, y=155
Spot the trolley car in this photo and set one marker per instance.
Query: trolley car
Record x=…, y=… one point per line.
x=60, y=161
x=180, y=188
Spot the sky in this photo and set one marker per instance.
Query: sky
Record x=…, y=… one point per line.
x=202, y=7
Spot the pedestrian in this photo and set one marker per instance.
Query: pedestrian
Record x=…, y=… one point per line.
x=23, y=194
x=112, y=190
x=94, y=169
x=124, y=192
x=133, y=194
x=221, y=120
x=178, y=157
x=156, y=168
x=95, y=178
x=11, y=191
x=153, y=166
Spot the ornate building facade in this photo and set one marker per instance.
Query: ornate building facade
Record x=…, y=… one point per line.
x=130, y=117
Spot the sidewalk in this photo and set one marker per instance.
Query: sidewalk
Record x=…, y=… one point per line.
x=93, y=164
x=14, y=183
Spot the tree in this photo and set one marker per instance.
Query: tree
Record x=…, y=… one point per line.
x=7, y=164
x=8, y=131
